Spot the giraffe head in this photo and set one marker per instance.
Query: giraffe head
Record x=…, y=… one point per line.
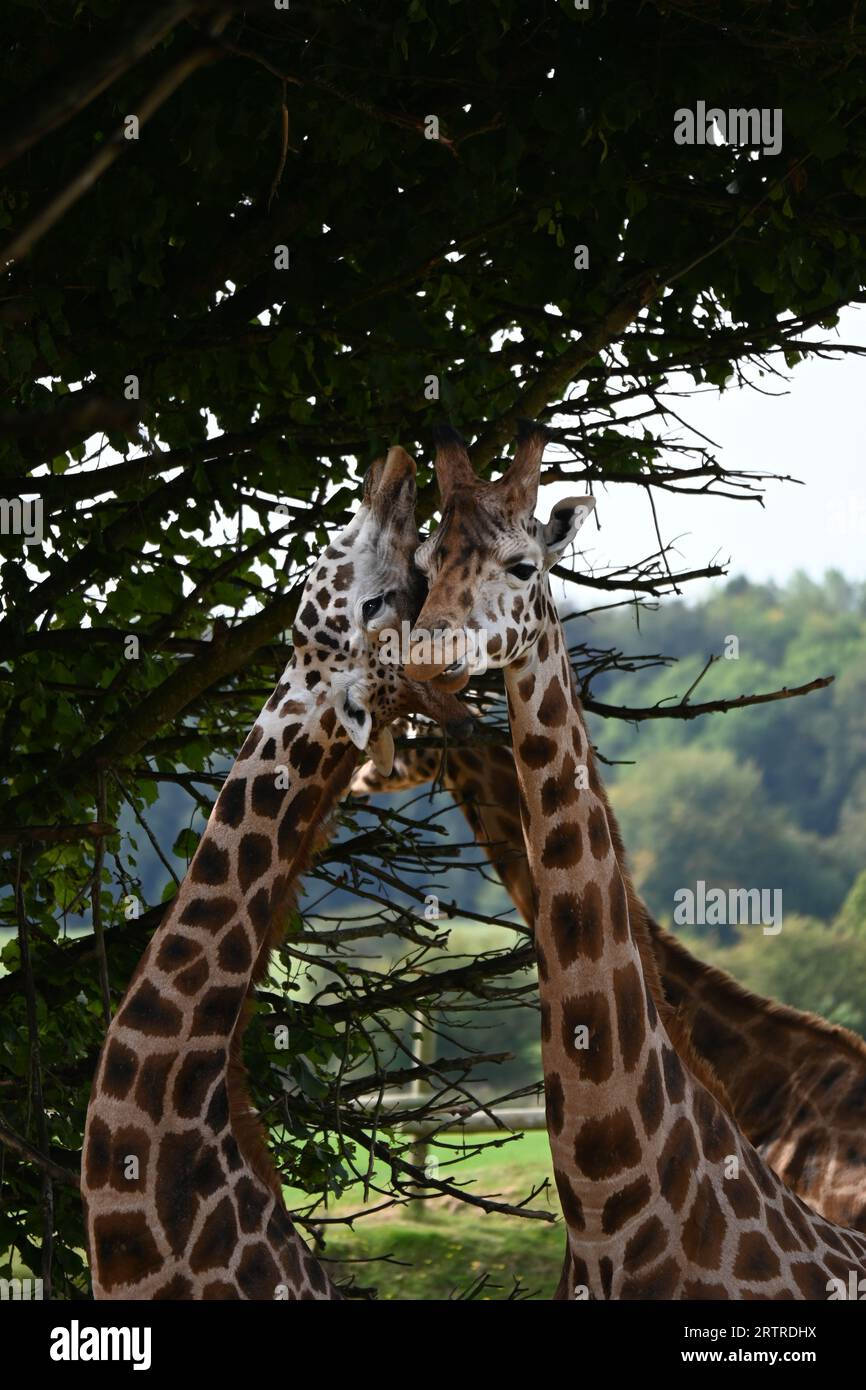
x=365, y=584
x=487, y=563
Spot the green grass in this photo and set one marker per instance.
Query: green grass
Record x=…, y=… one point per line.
x=439, y=1249
x=443, y=1255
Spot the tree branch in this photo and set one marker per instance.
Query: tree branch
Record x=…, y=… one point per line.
x=684, y=710
x=461, y=978
x=12, y=1141
x=56, y=834
x=81, y=85
x=643, y=586
x=93, y=170
x=77, y=416
x=554, y=379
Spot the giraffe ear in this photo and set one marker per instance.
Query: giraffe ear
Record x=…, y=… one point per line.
x=350, y=706
x=565, y=521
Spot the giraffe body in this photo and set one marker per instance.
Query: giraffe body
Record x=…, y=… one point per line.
x=182, y=1200
x=663, y=1196
x=796, y=1084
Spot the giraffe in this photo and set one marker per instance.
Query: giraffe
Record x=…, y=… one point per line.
x=663, y=1197
x=181, y=1197
x=797, y=1084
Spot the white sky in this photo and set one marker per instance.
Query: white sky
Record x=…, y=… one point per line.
x=815, y=432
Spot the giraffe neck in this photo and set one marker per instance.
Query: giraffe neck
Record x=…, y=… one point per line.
x=180, y=1191
x=599, y=1023
x=661, y=1195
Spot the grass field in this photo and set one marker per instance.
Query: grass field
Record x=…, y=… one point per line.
x=443, y=1249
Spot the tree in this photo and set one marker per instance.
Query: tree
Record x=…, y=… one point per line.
x=702, y=814
x=247, y=247
x=809, y=753
x=852, y=914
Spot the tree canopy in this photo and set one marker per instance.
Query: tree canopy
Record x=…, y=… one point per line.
x=244, y=248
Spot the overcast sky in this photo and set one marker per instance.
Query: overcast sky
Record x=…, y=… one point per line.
x=815, y=432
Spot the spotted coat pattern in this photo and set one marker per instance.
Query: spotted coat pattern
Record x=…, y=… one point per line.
x=663, y=1195
x=797, y=1084
x=182, y=1200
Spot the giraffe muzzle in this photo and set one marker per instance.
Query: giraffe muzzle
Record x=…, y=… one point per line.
x=441, y=651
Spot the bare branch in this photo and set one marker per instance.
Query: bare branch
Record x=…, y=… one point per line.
x=684, y=710
x=15, y=1144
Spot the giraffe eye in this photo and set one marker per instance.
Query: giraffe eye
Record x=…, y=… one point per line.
x=522, y=570
x=370, y=607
